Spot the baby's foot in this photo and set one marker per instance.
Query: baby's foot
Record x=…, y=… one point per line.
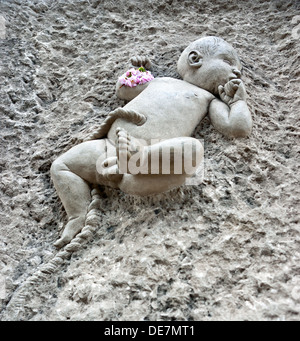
x=73, y=227
x=114, y=167
x=126, y=147
x=125, y=144
x=110, y=169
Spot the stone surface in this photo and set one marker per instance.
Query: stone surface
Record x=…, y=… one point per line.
x=226, y=249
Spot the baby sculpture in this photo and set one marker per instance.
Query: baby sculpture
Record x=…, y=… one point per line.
x=161, y=113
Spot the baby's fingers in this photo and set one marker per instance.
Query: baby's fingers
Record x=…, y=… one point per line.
x=221, y=89
x=146, y=62
x=236, y=81
x=224, y=97
x=230, y=88
x=136, y=61
x=140, y=61
x=222, y=93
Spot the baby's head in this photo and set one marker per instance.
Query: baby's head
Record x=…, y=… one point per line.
x=208, y=63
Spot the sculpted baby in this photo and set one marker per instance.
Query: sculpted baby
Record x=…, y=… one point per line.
x=160, y=115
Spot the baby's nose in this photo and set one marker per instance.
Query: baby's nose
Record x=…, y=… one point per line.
x=237, y=73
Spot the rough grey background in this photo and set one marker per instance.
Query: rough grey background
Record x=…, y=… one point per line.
x=227, y=249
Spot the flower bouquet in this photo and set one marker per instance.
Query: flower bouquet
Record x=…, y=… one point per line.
x=133, y=78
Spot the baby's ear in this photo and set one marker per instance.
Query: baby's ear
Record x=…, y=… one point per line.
x=195, y=59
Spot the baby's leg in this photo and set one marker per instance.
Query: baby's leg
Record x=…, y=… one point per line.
x=156, y=168
x=72, y=173
x=177, y=156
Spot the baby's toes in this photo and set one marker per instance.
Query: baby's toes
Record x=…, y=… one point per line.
x=123, y=139
x=112, y=173
x=121, y=133
x=109, y=162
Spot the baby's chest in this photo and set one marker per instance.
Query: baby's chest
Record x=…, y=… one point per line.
x=179, y=107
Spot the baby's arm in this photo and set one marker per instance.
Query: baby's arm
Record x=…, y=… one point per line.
x=126, y=93
x=231, y=116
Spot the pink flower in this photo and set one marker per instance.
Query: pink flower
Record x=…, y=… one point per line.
x=134, y=77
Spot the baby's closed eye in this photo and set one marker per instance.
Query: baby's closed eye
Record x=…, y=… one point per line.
x=228, y=61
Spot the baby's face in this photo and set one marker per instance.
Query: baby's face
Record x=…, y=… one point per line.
x=217, y=70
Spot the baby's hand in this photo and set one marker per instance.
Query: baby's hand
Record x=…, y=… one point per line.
x=232, y=91
x=141, y=61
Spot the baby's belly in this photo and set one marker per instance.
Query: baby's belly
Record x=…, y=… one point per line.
x=151, y=129
x=159, y=125
x=173, y=109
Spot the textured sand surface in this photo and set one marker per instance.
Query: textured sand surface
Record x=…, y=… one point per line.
x=227, y=249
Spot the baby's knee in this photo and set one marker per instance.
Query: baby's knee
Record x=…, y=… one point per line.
x=193, y=153
x=195, y=150
x=57, y=166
